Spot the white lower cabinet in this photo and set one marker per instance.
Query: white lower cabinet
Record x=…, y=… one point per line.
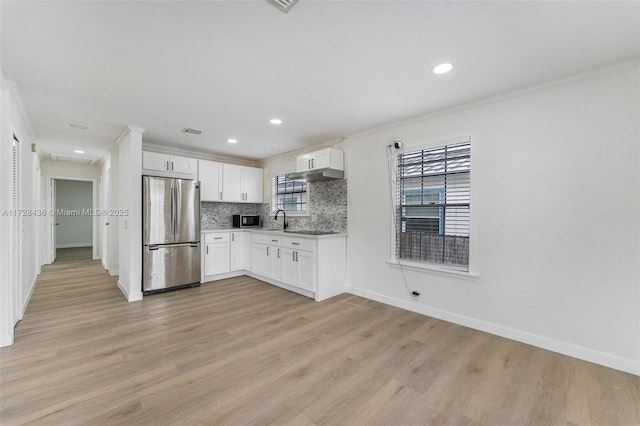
x=217, y=259
x=305, y=270
x=260, y=260
x=236, y=251
x=297, y=268
x=314, y=267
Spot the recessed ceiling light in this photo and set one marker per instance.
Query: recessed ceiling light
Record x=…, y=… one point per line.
x=78, y=126
x=232, y=140
x=442, y=68
x=77, y=151
x=275, y=121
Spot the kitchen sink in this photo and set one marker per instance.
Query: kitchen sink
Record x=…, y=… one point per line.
x=309, y=232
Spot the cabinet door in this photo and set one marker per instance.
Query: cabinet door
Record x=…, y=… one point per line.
x=154, y=161
x=210, y=177
x=260, y=262
x=216, y=258
x=232, y=183
x=237, y=251
x=304, y=262
x=321, y=159
x=252, y=184
x=275, y=253
x=303, y=163
x=183, y=165
x=289, y=273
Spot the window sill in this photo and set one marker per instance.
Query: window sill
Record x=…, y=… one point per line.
x=424, y=267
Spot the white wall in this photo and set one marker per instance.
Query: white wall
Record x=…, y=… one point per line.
x=15, y=294
x=74, y=230
x=130, y=199
x=556, y=187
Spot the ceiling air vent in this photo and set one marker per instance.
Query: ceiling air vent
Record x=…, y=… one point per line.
x=191, y=131
x=283, y=5
x=72, y=159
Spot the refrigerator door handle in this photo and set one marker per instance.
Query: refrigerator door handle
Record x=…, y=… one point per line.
x=194, y=244
x=174, y=194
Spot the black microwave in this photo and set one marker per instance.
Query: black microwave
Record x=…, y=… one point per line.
x=246, y=221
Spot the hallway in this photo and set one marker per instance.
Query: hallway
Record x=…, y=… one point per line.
x=74, y=253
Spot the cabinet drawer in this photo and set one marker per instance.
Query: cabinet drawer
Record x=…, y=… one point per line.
x=216, y=237
x=297, y=243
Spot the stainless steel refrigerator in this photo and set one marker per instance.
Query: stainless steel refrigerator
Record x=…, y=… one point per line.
x=171, y=233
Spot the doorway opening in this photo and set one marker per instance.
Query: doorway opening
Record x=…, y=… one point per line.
x=73, y=219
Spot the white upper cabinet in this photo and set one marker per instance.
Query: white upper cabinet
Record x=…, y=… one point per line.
x=329, y=157
x=210, y=177
x=169, y=165
x=232, y=183
x=252, y=184
x=241, y=184
x=218, y=181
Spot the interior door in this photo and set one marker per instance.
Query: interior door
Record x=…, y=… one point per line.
x=106, y=203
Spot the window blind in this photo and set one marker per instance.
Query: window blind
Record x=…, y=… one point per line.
x=433, y=205
x=289, y=194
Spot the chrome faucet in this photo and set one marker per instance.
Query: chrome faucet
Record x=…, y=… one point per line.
x=284, y=222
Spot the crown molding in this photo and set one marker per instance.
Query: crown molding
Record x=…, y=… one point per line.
x=170, y=150
x=12, y=88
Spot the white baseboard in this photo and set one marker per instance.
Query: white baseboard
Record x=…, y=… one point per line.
x=28, y=298
x=216, y=277
x=104, y=266
x=74, y=245
x=6, y=339
x=113, y=272
x=131, y=297
x=576, y=351
x=123, y=289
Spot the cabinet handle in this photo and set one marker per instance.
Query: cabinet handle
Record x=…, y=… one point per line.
x=293, y=256
x=166, y=165
x=207, y=249
x=267, y=251
x=172, y=165
x=296, y=256
x=312, y=163
x=309, y=164
x=233, y=236
x=295, y=244
x=217, y=238
x=278, y=253
x=221, y=195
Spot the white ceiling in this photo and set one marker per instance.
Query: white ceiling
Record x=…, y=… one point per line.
x=327, y=68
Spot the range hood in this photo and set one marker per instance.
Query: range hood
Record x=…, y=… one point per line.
x=317, y=175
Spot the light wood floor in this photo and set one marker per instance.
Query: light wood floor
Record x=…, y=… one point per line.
x=74, y=253
x=242, y=352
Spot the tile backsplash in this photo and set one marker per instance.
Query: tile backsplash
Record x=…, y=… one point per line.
x=220, y=215
x=327, y=210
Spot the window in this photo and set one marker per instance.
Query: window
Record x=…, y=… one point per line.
x=433, y=205
x=289, y=195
